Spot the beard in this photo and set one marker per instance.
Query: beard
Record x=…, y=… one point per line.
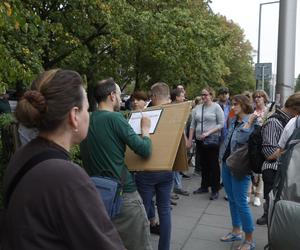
x=117, y=107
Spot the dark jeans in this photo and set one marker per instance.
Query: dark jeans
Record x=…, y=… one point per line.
x=159, y=184
x=209, y=161
x=268, y=176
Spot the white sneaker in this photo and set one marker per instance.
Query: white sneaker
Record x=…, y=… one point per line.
x=256, y=202
x=248, y=199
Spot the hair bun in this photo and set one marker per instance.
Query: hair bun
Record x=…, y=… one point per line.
x=36, y=99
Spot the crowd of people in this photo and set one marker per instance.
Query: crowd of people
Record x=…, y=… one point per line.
x=53, y=204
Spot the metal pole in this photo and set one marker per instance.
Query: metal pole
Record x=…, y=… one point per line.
x=286, y=49
x=263, y=78
x=259, y=31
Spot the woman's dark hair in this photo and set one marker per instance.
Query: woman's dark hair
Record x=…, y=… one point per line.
x=139, y=95
x=55, y=93
x=244, y=102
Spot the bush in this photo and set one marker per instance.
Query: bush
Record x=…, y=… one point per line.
x=6, y=147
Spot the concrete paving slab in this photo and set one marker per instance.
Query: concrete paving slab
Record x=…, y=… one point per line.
x=198, y=223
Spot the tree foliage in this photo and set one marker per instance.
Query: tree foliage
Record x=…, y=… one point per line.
x=297, y=86
x=136, y=42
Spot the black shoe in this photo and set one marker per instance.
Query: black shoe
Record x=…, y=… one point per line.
x=174, y=197
x=181, y=192
x=173, y=203
x=197, y=173
x=185, y=175
x=262, y=220
x=154, y=229
x=201, y=191
x=214, y=196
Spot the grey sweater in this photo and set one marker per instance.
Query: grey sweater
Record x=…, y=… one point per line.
x=213, y=117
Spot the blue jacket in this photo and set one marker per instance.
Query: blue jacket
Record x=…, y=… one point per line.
x=239, y=134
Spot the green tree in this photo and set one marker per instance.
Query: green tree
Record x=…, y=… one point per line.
x=136, y=42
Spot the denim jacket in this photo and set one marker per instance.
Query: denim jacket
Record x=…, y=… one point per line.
x=239, y=134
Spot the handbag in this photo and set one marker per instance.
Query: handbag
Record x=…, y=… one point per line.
x=211, y=140
x=111, y=191
x=239, y=162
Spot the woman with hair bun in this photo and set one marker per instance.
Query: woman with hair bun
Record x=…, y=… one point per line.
x=50, y=202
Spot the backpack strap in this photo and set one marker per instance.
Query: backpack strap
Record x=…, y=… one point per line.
x=30, y=164
x=280, y=118
x=297, y=122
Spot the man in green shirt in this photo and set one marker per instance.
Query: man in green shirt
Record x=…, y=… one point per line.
x=104, y=154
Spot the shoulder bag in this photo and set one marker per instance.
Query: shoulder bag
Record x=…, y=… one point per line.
x=239, y=162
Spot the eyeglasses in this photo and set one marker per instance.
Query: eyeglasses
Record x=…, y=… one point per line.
x=257, y=96
x=235, y=103
x=204, y=94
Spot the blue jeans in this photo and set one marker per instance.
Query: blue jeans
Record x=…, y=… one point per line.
x=177, y=180
x=237, y=196
x=159, y=184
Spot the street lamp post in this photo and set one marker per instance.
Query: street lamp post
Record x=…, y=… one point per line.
x=259, y=31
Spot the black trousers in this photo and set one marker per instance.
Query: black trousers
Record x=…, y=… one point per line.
x=268, y=176
x=208, y=157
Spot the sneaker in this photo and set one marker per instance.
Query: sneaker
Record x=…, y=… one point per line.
x=247, y=245
x=230, y=237
x=262, y=220
x=201, y=191
x=256, y=201
x=181, y=192
x=248, y=199
x=214, y=196
x=154, y=229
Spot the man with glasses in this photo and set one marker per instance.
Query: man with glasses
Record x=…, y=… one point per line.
x=103, y=154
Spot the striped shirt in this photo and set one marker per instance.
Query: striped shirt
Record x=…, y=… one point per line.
x=271, y=132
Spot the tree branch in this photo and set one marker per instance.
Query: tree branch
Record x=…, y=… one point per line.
x=86, y=41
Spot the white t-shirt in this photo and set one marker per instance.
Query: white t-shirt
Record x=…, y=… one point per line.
x=287, y=132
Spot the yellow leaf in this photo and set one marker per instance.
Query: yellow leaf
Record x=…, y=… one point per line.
x=8, y=8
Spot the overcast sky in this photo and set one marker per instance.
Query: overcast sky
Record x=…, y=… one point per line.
x=246, y=14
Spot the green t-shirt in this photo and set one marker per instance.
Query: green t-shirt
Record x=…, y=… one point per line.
x=103, y=151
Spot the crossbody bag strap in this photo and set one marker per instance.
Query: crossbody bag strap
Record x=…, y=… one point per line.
x=202, y=115
x=30, y=164
x=123, y=177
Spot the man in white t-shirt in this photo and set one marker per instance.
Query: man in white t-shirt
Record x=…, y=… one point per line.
x=287, y=132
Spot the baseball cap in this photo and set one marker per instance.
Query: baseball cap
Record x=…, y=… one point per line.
x=223, y=90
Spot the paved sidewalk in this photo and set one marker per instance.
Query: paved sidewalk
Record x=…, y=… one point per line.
x=198, y=223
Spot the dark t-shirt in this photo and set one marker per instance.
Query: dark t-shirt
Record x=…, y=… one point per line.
x=4, y=106
x=55, y=206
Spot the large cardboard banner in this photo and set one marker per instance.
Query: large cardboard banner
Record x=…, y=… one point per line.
x=168, y=144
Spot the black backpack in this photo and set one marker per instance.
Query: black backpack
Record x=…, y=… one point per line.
x=284, y=202
x=255, y=144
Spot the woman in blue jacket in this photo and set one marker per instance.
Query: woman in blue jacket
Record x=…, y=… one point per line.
x=240, y=129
